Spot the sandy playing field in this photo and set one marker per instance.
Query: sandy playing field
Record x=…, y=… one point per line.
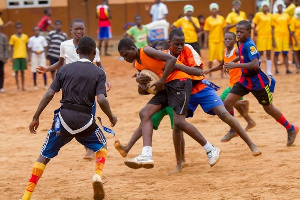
x=238, y=175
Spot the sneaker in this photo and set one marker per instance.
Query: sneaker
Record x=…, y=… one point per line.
x=213, y=156
x=288, y=72
x=231, y=134
x=292, y=136
x=276, y=72
x=140, y=162
x=98, y=187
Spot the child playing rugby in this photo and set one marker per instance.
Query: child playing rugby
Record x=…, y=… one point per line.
x=254, y=80
x=74, y=117
x=230, y=53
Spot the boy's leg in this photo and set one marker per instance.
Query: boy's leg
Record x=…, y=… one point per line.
x=23, y=79
x=178, y=141
x=17, y=79
x=34, y=79
x=123, y=150
x=242, y=106
x=224, y=115
x=210, y=66
x=297, y=60
x=286, y=61
x=50, y=149
x=1, y=75
x=276, y=62
x=45, y=80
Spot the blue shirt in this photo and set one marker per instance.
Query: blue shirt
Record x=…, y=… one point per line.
x=252, y=79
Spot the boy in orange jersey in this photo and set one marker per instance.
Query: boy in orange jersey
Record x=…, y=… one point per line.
x=230, y=53
x=173, y=88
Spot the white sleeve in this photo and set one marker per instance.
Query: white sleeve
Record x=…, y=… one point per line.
x=165, y=9
x=62, y=50
x=152, y=10
x=97, y=56
x=29, y=43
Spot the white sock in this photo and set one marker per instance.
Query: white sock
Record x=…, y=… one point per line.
x=269, y=67
x=208, y=147
x=147, y=151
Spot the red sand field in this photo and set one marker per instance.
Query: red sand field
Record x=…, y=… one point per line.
x=238, y=175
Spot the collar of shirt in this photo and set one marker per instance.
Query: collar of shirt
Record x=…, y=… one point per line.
x=84, y=60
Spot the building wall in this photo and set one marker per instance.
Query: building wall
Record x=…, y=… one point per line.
x=67, y=10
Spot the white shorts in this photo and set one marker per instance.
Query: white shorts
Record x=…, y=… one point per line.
x=37, y=60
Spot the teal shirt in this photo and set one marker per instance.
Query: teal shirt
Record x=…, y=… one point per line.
x=140, y=36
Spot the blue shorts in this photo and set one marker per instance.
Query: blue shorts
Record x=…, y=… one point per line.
x=207, y=99
x=54, y=142
x=104, y=33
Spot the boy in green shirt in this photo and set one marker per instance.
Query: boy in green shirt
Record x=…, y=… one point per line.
x=138, y=33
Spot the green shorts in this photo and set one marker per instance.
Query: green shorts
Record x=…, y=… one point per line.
x=225, y=93
x=19, y=64
x=157, y=117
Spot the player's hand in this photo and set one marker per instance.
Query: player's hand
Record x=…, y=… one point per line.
x=158, y=85
x=143, y=78
x=207, y=71
x=41, y=69
x=113, y=120
x=229, y=65
x=142, y=89
x=108, y=86
x=226, y=71
x=34, y=125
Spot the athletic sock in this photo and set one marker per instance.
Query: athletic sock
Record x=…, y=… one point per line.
x=269, y=67
x=147, y=151
x=208, y=147
x=100, y=161
x=282, y=120
x=37, y=172
x=231, y=112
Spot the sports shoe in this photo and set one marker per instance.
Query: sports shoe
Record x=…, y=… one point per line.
x=140, y=162
x=288, y=72
x=98, y=187
x=292, y=136
x=231, y=134
x=213, y=156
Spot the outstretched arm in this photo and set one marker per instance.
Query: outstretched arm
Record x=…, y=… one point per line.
x=216, y=68
x=44, y=102
x=55, y=66
x=104, y=105
x=254, y=64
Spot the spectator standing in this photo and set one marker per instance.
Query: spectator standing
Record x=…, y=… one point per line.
x=104, y=34
x=158, y=11
x=54, y=39
x=139, y=33
x=235, y=16
x=4, y=55
x=45, y=22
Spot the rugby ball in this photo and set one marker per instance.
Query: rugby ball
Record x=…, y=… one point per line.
x=154, y=78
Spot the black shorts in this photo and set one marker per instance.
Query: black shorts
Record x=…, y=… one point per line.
x=178, y=94
x=264, y=96
x=160, y=98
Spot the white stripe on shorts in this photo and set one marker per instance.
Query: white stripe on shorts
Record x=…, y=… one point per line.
x=46, y=140
x=183, y=103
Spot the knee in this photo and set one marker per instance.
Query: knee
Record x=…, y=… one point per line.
x=225, y=116
x=268, y=109
x=178, y=125
x=228, y=105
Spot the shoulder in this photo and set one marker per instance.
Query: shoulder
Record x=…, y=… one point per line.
x=243, y=13
x=230, y=14
x=52, y=32
x=220, y=17
x=24, y=35
x=66, y=43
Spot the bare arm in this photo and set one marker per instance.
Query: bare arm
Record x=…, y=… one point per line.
x=228, y=26
x=206, y=39
x=216, y=68
x=43, y=104
x=104, y=105
x=196, y=71
x=254, y=64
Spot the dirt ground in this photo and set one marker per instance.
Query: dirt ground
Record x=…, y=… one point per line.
x=238, y=175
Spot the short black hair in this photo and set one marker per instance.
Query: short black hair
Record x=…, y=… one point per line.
x=18, y=24
x=163, y=44
x=58, y=21
x=86, y=45
x=177, y=32
x=245, y=23
x=125, y=44
x=46, y=10
x=231, y=33
x=76, y=20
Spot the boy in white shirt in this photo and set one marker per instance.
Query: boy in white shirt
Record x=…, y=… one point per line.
x=37, y=46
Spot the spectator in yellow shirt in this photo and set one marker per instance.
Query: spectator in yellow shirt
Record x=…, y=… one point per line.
x=295, y=29
x=263, y=31
x=235, y=16
x=290, y=7
x=18, y=43
x=281, y=36
x=214, y=30
x=190, y=27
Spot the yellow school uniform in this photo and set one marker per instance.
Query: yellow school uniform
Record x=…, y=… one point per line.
x=233, y=18
x=19, y=44
x=290, y=10
x=216, y=36
x=281, y=31
x=295, y=28
x=188, y=28
x=264, y=31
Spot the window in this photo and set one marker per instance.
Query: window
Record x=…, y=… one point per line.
x=27, y=3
